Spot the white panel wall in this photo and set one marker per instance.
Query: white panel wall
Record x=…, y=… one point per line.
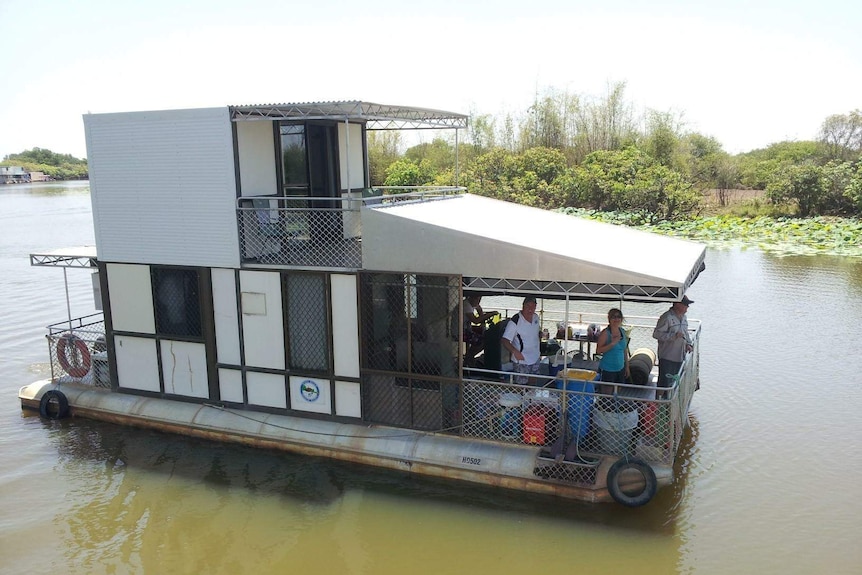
x=262, y=319
x=130, y=288
x=255, y=146
x=345, y=340
x=266, y=389
x=354, y=155
x=230, y=385
x=137, y=366
x=163, y=187
x=184, y=368
x=347, y=399
x=310, y=394
x=226, y=319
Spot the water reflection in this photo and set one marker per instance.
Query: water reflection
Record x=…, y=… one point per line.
x=138, y=497
x=47, y=188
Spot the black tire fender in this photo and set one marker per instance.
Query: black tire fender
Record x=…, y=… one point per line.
x=59, y=399
x=624, y=497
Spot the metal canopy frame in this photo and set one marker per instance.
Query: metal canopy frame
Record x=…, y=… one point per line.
x=375, y=116
x=587, y=291
x=82, y=257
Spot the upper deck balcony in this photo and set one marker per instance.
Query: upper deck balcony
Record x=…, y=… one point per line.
x=316, y=232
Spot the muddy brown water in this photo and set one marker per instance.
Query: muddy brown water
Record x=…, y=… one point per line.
x=767, y=475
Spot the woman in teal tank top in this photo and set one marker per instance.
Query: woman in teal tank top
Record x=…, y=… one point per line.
x=613, y=344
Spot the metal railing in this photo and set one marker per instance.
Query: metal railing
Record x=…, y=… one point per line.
x=319, y=232
x=571, y=417
x=78, y=352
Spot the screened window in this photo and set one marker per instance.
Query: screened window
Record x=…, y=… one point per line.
x=176, y=295
x=405, y=323
x=307, y=321
x=294, y=160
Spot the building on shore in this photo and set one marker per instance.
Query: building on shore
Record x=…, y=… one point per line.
x=18, y=175
x=14, y=175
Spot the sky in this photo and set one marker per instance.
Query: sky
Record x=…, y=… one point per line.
x=746, y=72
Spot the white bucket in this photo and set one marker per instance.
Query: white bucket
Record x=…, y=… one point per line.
x=614, y=430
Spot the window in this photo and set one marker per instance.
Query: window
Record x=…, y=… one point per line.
x=176, y=295
x=405, y=323
x=294, y=168
x=306, y=298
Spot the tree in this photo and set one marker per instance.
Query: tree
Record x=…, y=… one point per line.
x=803, y=184
x=662, y=137
x=632, y=180
x=853, y=189
x=841, y=134
x=489, y=174
x=727, y=177
x=405, y=172
x=56, y=166
x=481, y=132
x=43, y=156
x=383, y=150
x=439, y=154
x=757, y=168
x=605, y=125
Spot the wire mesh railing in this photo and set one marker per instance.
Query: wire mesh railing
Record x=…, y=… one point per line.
x=316, y=231
x=78, y=351
x=570, y=420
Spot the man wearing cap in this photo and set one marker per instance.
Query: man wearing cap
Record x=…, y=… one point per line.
x=521, y=339
x=671, y=331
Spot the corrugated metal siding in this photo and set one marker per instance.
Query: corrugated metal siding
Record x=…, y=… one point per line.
x=163, y=187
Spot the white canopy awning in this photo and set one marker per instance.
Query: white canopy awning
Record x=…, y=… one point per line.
x=500, y=246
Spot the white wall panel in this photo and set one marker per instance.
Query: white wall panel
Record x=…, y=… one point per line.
x=266, y=389
x=230, y=385
x=262, y=326
x=130, y=288
x=351, y=159
x=163, y=187
x=256, y=150
x=226, y=316
x=310, y=394
x=184, y=368
x=137, y=366
x=345, y=318
x=348, y=402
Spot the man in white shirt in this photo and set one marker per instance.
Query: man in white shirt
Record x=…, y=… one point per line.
x=521, y=339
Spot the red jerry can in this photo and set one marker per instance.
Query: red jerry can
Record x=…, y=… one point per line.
x=535, y=419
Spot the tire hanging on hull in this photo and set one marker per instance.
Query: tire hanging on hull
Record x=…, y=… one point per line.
x=54, y=405
x=619, y=491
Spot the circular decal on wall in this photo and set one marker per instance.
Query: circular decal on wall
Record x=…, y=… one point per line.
x=309, y=390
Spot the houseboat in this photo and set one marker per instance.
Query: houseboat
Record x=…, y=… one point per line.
x=253, y=287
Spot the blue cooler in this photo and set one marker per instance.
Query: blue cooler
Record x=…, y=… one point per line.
x=579, y=408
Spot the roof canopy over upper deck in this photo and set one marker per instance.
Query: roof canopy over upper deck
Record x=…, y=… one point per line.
x=504, y=247
x=375, y=116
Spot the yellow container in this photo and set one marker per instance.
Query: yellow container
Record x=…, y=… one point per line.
x=584, y=374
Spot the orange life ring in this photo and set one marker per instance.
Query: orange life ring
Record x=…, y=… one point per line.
x=72, y=365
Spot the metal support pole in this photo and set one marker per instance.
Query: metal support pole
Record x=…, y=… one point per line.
x=456, y=156
x=68, y=304
x=347, y=151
